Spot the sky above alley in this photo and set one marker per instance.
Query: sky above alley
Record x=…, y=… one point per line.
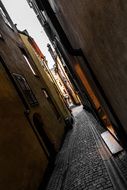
x=25, y=18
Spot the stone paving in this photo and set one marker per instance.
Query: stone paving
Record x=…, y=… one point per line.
x=120, y=158
x=79, y=165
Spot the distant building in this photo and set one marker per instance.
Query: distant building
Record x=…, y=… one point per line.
x=63, y=81
x=62, y=87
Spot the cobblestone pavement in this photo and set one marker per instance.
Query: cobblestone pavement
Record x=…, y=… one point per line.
x=121, y=158
x=79, y=165
x=121, y=161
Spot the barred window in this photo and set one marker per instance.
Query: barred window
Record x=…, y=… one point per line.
x=25, y=89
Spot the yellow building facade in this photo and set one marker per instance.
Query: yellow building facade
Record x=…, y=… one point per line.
x=46, y=76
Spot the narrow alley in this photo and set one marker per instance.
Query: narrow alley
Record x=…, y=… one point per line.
x=63, y=97
x=81, y=163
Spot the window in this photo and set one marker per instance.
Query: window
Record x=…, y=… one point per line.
x=25, y=89
x=65, y=91
x=53, y=5
x=42, y=17
x=35, y=7
x=30, y=3
x=4, y=17
x=27, y=61
x=29, y=65
x=54, y=107
x=60, y=83
x=45, y=93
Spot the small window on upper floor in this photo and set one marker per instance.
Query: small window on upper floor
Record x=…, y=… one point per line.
x=4, y=17
x=30, y=3
x=29, y=64
x=53, y=105
x=27, y=61
x=53, y=5
x=60, y=83
x=65, y=91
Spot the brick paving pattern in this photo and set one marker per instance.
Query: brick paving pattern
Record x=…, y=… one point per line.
x=79, y=165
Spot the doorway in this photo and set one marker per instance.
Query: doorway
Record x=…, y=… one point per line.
x=37, y=120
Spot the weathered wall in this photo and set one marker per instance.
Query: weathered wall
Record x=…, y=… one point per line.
x=23, y=161
x=21, y=157
x=99, y=28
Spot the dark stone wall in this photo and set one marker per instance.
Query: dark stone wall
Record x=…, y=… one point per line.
x=99, y=28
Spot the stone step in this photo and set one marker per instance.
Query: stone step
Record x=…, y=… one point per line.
x=111, y=142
